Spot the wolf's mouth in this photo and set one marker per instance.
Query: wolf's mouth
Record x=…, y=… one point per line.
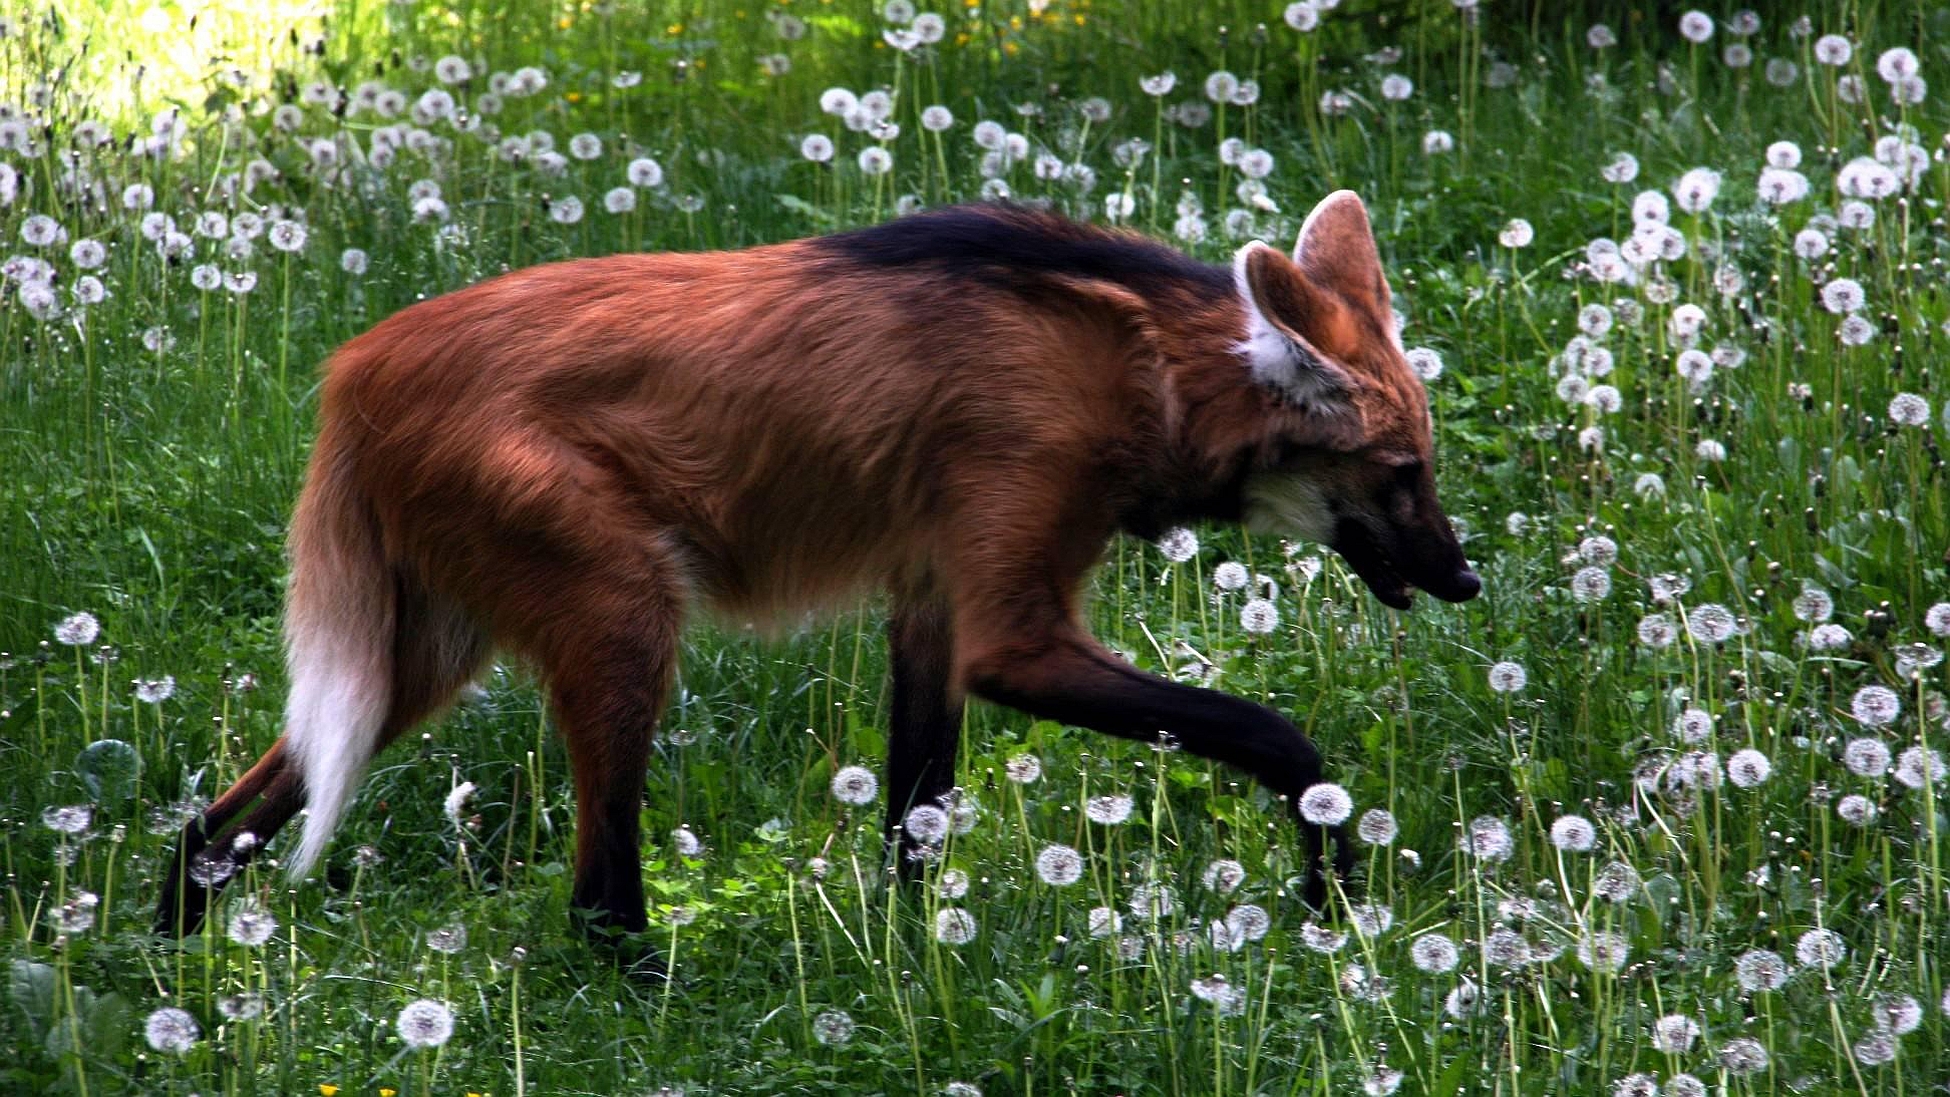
x=1358, y=547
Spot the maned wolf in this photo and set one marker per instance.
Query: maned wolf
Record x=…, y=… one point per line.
x=962, y=407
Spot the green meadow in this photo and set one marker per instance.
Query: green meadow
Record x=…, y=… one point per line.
x=1662, y=812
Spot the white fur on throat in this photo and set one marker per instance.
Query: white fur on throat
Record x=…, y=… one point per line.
x=1275, y=360
x=1288, y=504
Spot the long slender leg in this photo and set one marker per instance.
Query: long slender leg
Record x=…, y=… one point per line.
x=185, y=899
x=607, y=711
x=608, y=645
x=927, y=715
x=1063, y=674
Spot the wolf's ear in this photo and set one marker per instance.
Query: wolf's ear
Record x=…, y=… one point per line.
x=1336, y=249
x=1286, y=316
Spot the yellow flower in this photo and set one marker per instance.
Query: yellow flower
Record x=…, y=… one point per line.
x=564, y=23
x=674, y=29
x=327, y=1089
x=387, y=1091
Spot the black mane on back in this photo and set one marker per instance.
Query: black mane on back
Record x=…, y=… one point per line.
x=1010, y=246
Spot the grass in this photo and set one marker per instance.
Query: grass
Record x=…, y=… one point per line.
x=1646, y=567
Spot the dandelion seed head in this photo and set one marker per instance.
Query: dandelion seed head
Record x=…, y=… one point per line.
x=954, y=926
x=926, y=824
x=71, y=819
x=1425, y=362
x=1377, y=827
x=1326, y=804
x=1813, y=605
x=1105, y=922
x=1829, y=637
x=171, y=1030
x=1675, y=1033
x=1223, y=876
x=855, y=785
x=1463, y=1001
x=1937, y=619
x=1488, y=839
x=1748, y=767
x=1110, y=810
x=1617, y=882
x=1656, y=630
x=1179, y=545
x=1506, y=948
x=1259, y=616
x=1875, y=706
x=1819, y=948
x=1573, y=834
x=1856, y=810
x=1249, y=921
x=1909, y=410
x=1590, y=584
x=1916, y=767
x=78, y=629
x=1434, y=954
x=1319, y=938
x=252, y=925
x=1152, y=902
x=1900, y=1014
x=1711, y=623
x=833, y=1028
x=1059, y=865
x=1875, y=1049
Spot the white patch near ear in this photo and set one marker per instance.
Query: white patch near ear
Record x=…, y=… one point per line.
x=1288, y=504
x=1275, y=360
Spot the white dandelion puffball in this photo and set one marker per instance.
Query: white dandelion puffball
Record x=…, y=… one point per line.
x=1508, y=677
x=1326, y=804
x=1748, y=768
x=1875, y=706
x=1426, y=362
x=1434, y=953
x=1675, y=1033
x=425, y=1023
x=1573, y=834
x=927, y=824
x=954, y=926
x=1059, y=866
x=252, y=925
x=1819, y=948
x=1108, y=811
x=1259, y=617
x=1178, y=545
x=172, y=1030
x=1377, y=827
x=855, y=785
x=833, y=1027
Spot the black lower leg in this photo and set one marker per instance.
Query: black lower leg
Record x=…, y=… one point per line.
x=925, y=729
x=1077, y=682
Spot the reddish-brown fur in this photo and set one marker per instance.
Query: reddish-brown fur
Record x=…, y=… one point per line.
x=561, y=460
